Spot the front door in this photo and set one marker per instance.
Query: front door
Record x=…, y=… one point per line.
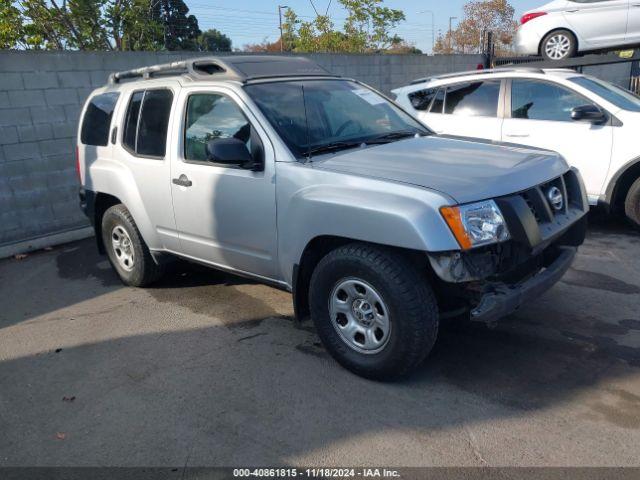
x=599, y=23
x=540, y=117
x=225, y=215
x=468, y=109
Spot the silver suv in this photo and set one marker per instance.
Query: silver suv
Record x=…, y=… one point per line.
x=272, y=168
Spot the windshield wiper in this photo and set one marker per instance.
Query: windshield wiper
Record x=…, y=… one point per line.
x=390, y=137
x=333, y=147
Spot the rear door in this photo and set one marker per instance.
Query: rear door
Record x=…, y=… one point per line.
x=540, y=116
x=469, y=109
x=598, y=23
x=144, y=143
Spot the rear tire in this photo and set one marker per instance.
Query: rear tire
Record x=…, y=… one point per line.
x=355, y=291
x=632, y=204
x=558, y=45
x=127, y=251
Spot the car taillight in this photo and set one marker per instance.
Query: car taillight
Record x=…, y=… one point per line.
x=527, y=17
x=78, y=164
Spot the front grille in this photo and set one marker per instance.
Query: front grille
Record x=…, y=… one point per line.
x=537, y=198
x=531, y=216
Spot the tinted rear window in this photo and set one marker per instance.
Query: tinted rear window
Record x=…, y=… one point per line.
x=147, y=122
x=421, y=100
x=154, y=122
x=474, y=99
x=97, y=119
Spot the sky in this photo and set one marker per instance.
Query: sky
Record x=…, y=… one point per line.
x=252, y=21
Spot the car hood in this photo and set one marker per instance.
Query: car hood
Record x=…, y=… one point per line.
x=466, y=170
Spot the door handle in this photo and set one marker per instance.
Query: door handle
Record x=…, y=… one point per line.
x=571, y=11
x=182, y=181
x=517, y=135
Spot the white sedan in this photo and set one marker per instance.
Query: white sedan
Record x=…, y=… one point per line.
x=562, y=28
x=592, y=123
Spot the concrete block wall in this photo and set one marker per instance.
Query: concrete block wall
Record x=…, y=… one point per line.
x=41, y=94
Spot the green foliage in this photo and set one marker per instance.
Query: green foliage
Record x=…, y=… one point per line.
x=214, y=41
x=367, y=29
x=11, y=29
x=181, y=31
x=98, y=25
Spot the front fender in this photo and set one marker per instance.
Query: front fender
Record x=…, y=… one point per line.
x=379, y=212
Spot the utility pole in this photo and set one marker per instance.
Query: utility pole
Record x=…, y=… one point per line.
x=280, y=7
x=451, y=19
x=433, y=28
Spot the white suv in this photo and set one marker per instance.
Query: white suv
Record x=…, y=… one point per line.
x=592, y=123
x=561, y=28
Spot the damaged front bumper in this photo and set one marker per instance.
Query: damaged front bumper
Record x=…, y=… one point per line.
x=500, y=299
x=493, y=281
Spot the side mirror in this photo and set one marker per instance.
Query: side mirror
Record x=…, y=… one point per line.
x=589, y=113
x=229, y=151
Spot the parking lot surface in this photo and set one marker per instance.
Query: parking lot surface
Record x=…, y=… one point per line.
x=206, y=369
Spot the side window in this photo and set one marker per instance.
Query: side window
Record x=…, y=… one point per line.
x=533, y=100
x=438, y=102
x=97, y=120
x=473, y=99
x=421, y=99
x=211, y=116
x=131, y=121
x=147, y=122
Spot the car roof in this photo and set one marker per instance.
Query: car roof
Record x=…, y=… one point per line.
x=237, y=68
x=486, y=74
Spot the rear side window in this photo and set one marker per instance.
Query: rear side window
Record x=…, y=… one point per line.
x=421, y=100
x=473, y=99
x=147, y=122
x=97, y=119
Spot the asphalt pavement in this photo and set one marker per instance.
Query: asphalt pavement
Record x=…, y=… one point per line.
x=207, y=369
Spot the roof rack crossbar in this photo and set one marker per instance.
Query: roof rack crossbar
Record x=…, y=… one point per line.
x=239, y=68
x=478, y=72
x=174, y=68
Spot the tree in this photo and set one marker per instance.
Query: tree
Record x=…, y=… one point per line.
x=214, y=41
x=264, y=47
x=181, y=31
x=480, y=17
x=98, y=25
x=367, y=28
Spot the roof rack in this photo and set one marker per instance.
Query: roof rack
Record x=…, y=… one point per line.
x=241, y=68
x=479, y=72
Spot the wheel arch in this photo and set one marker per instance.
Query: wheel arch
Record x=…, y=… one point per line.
x=315, y=250
x=619, y=185
x=566, y=29
x=102, y=203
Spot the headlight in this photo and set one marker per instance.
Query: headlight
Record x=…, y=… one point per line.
x=476, y=224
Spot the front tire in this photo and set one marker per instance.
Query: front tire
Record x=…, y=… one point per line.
x=127, y=251
x=373, y=310
x=559, y=45
x=632, y=204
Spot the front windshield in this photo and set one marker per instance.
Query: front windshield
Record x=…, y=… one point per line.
x=620, y=97
x=317, y=116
